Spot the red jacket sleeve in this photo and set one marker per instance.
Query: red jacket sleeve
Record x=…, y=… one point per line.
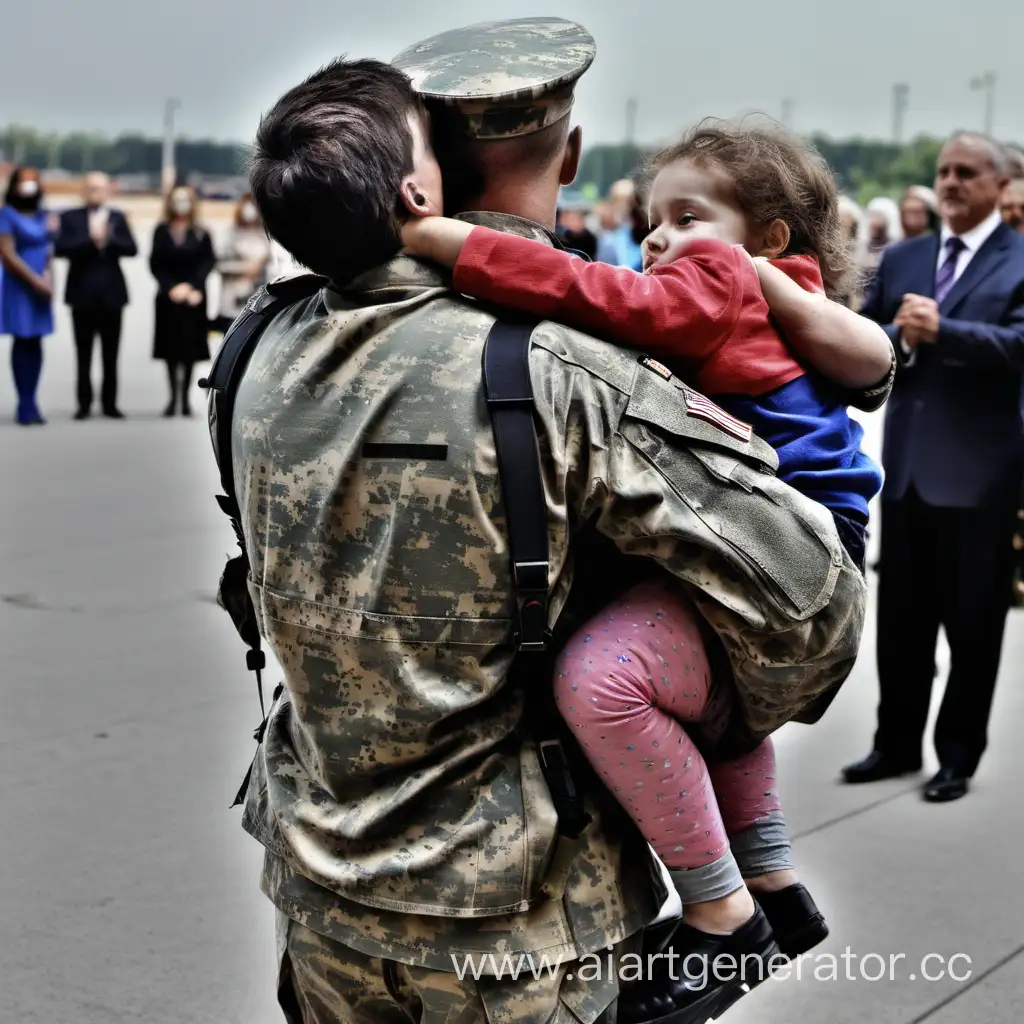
x=684, y=310
x=804, y=270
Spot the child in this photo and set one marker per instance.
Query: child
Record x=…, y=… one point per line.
x=635, y=672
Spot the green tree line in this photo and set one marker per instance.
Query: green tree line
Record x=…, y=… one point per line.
x=864, y=168
x=127, y=154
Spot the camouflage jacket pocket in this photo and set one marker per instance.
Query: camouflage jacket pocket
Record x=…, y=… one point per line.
x=786, y=541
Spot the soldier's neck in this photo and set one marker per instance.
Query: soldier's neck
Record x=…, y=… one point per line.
x=527, y=200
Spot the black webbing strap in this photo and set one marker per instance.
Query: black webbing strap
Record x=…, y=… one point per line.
x=509, y=392
x=225, y=375
x=510, y=401
x=233, y=357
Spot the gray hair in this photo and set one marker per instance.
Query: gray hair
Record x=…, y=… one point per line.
x=888, y=209
x=999, y=156
x=925, y=194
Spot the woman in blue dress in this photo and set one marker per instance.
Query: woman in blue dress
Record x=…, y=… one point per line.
x=26, y=309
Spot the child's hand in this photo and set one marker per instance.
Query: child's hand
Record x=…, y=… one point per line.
x=847, y=348
x=435, y=238
x=416, y=236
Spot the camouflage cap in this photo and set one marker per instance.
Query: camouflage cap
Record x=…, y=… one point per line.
x=503, y=78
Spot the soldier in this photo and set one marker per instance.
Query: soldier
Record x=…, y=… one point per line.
x=410, y=829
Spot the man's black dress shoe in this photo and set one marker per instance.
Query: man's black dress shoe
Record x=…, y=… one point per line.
x=797, y=922
x=945, y=785
x=113, y=414
x=704, y=975
x=82, y=414
x=877, y=766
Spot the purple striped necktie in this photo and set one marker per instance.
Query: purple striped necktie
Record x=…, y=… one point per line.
x=944, y=278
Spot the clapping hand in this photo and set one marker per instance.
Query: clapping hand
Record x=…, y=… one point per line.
x=180, y=292
x=98, y=233
x=918, y=319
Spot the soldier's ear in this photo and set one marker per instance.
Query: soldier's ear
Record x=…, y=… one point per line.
x=417, y=200
x=571, y=158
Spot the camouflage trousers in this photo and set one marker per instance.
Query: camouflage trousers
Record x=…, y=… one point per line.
x=320, y=981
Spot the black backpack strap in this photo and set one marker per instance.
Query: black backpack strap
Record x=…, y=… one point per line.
x=234, y=354
x=225, y=375
x=509, y=392
x=510, y=401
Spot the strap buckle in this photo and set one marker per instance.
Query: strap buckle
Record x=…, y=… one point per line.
x=531, y=577
x=531, y=584
x=255, y=660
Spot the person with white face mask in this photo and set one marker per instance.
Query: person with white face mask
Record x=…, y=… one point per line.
x=26, y=310
x=243, y=264
x=182, y=259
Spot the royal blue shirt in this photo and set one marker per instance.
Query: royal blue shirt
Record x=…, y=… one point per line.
x=817, y=441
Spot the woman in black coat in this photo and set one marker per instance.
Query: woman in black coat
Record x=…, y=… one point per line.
x=181, y=260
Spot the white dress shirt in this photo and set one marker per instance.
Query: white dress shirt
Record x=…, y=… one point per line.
x=98, y=219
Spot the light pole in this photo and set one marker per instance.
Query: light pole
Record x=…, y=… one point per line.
x=987, y=82
x=630, y=121
x=54, y=142
x=168, y=173
x=900, y=94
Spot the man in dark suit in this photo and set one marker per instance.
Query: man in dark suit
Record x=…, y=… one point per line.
x=953, y=305
x=94, y=238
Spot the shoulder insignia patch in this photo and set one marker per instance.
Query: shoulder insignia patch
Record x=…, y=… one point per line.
x=704, y=409
x=659, y=368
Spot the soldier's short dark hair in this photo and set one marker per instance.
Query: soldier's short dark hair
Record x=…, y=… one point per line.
x=469, y=165
x=328, y=164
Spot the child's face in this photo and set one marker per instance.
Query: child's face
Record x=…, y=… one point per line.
x=688, y=201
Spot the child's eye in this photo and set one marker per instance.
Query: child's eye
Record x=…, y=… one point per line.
x=685, y=220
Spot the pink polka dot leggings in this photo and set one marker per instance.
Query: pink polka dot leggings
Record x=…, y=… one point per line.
x=628, y=684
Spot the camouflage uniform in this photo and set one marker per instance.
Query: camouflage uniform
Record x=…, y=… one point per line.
x=397, y=790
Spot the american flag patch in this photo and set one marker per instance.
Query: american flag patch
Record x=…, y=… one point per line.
x=704, y=409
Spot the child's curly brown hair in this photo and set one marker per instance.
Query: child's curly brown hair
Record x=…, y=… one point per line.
x=773, y=175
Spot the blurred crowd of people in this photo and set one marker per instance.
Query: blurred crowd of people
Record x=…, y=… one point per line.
x=611, y=229
x=939, y=268
x=94, y=237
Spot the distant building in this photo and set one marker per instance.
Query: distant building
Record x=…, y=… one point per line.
x=231, y=187
x=137, y=184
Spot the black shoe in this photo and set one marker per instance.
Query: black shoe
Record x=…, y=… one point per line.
x=113, y=414
x=700, y=975
x=169, y=411
x=945, y=785
x=797, y=922
x=82, y=414
x=877, y=766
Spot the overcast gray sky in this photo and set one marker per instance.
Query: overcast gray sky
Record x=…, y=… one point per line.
x=108, y=65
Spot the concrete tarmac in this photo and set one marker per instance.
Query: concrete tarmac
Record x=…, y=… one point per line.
x=130, y=891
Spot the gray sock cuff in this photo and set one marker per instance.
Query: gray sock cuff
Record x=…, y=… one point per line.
x=708, y=882
x=763, y=846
